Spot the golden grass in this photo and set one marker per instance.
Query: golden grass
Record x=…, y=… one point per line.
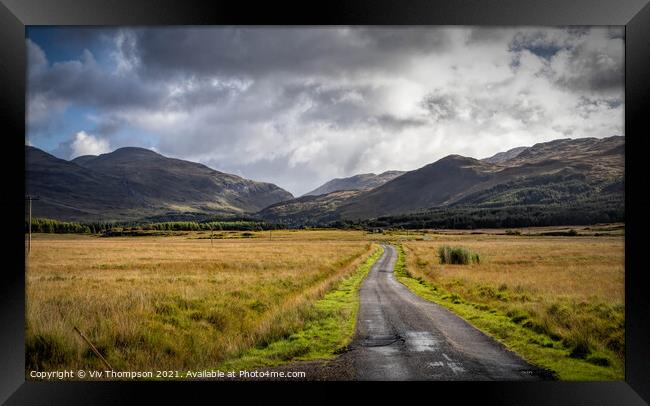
x=577, y=268
x=183, y=302
x=152, y=303
x=569, y=288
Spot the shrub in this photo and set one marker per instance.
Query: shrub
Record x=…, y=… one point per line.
x=457, y=255
x=579, y=344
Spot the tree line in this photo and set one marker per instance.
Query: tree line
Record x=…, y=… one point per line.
x=44, y=225
x=505, y=217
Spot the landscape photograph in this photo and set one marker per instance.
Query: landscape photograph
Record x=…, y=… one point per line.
x=325, y=203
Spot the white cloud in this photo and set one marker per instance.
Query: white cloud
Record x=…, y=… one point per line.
x=87, y=144
x=124, y=54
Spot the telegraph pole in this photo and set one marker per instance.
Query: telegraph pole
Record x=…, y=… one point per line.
x=29, y=199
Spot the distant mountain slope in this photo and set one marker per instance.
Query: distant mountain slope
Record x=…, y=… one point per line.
x=561, y=171
x=308, y=210
x=575, y=173
x=80, y=160
x=68, y=191
x=364, y=181
x=435, y=184
x=504, y=156
x=132, y=183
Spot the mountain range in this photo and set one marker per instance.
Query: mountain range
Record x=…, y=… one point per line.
x=565, y=173
x=569, y=178
x=136, y=183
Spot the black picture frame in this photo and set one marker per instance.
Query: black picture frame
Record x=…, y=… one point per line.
x=15, y=15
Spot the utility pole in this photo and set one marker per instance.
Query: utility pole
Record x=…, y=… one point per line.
x=29, y=199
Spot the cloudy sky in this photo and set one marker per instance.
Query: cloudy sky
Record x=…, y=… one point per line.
x=299, y=106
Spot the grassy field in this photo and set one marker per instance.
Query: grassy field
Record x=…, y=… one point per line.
x=557, y=301
x=254, y=299
x=322, y=337
x=178, y=303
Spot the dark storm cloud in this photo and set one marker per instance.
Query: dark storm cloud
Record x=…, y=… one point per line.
x=250, y=49
x=593, y=69
x=263, y=51
x=84, y=82
x=109, y=125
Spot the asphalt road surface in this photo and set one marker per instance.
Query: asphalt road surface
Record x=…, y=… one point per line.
x=401, y=336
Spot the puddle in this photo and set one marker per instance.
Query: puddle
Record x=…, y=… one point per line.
x=380, y=340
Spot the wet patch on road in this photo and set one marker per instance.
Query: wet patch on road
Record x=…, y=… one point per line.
x=380, y=340
x=421, y=341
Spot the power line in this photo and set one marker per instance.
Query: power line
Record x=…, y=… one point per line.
x=29, y=198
